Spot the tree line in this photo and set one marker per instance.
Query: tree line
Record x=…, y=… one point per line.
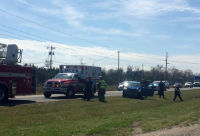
x=114, y=76
x=157, y=73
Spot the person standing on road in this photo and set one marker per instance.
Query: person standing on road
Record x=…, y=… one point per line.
x=102, y=89
x=161, y=89
x=177, y=92
x=88, y=89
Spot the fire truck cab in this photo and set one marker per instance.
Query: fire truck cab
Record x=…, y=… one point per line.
x=14, y=79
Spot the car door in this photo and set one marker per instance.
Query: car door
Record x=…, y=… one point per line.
x=147, y=91
x=76, y=83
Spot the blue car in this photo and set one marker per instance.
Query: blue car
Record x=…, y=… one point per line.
x=135, y=89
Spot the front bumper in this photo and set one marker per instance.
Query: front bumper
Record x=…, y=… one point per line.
x=132, y=92
x=55, y=90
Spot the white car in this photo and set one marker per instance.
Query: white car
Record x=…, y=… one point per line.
x=196, y=84
x=166, y=84
x=188, y=84
x=121, y=85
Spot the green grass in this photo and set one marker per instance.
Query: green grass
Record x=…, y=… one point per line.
x=80, y=118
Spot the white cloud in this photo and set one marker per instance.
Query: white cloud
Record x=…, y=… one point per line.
x=196, y=26
x=148, y=8
x=72, y=15
x=186, y=19
x=184, y=62
x=114, y=31
x=61, y=10
x=36, y=52
x=184, y=47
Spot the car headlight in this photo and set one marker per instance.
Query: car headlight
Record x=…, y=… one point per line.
x=125, y=88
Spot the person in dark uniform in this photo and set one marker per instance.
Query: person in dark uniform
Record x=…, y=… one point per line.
x=144, y=83
x=88, y=89
x=102, y=89
x=161, y=89
x=177, y=92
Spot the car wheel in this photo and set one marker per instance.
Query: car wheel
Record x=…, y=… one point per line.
x=47, y=95
x=140, y=96
x=123, y=94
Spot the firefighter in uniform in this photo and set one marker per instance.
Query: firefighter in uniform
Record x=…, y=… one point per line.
x=161, y=89
x=88, y=89
x=177, y=92
x=102, y=89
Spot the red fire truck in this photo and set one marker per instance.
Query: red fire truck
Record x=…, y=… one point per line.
x=14, y=79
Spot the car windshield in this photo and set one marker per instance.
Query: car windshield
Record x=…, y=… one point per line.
x=134, y=84
x=63, y=76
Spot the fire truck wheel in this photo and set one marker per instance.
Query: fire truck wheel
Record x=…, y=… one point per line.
x=3, y=94
x=47, y=95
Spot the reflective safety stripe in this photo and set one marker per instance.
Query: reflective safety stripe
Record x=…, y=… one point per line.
x=102, y=84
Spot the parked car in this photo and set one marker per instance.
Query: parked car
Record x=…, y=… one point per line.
x=121, y=86
x=134, y=89
x=155, y=85
x=196, y=84
x=180, y=85
x=188, y=84
x=166, y=84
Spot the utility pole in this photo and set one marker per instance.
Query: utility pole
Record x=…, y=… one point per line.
x=142, y=71
x=166, y=61
x=51, y=53
x=118, y=61
x=118, y=67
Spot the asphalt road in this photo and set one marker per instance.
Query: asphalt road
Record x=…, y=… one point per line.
x=40, y=98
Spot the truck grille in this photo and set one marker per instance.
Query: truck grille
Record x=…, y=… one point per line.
x=57, y=85
x=49, y=84
x=53, y=84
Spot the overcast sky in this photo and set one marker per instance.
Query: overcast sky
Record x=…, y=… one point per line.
x=94, y=30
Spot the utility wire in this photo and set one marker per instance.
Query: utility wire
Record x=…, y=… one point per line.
x=28, y=35
x=46, y=27
x=184, y=62
x=21, y=35
x=21, y=31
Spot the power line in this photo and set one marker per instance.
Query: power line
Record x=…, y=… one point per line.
x=31, y=21
x=8, y=34
x=21, y=31
x=46, y=27
x=175, y=61
x=15, y=35
x=105, y=57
